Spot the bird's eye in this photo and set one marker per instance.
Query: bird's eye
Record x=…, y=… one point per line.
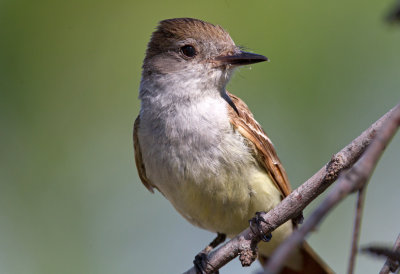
x=188, y=51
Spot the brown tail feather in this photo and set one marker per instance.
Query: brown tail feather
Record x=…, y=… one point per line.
x=312, y=263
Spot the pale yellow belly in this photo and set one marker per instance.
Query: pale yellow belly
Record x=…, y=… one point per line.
x=226, y=204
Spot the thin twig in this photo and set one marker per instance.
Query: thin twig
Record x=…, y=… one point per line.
x=391, y=265
x=383, y=251
x=348, y=182
x=356, y=229
x=294, y=203
x=392, y=257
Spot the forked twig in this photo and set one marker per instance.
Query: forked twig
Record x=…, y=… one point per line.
x=294, y=203
x=349, y=182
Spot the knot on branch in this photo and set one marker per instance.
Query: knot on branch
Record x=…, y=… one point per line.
x=335, y=165
x=248, y=255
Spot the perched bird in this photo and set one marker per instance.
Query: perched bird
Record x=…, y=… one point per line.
x=199, y=145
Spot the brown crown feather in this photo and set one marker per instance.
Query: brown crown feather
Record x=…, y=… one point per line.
x=176, y=29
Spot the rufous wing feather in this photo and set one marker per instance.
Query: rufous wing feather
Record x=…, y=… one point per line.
x=245, y=124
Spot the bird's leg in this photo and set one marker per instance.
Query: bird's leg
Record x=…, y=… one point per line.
x=256, y=221
x=221, y=237
x=200, y=261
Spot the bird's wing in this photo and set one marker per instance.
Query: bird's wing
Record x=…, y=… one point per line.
x=243, y=121
x=138, y=157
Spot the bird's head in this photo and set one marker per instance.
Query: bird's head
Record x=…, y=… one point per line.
x=195, y=50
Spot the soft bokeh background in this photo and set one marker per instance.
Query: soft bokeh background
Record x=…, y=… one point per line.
x=70, y=197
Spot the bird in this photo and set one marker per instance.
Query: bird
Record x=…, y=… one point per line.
x=200, y=146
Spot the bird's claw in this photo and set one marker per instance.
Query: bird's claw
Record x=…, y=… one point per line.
x=256, y=221
x=200, y=263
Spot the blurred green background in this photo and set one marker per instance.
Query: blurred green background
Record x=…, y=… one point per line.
x=70, y=197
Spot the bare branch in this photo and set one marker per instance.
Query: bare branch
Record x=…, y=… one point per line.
x=356, y=229
x=391, y=264
x=293, y=204
x=392, y=255
x=351, y=181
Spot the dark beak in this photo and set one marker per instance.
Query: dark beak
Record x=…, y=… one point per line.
x=240, y=59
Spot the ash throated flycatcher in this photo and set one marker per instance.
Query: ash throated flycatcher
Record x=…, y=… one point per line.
x=200, y=145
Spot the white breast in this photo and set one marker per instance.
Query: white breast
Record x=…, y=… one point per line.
x=190, y=142
x=194, y=144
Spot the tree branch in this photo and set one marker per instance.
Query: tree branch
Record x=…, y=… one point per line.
x=353, y=180
x=293, y=204
x=356, y=229
x=393, y=256
x=390, y=264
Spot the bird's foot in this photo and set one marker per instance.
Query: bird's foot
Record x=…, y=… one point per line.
x=256, y=222
x=201, y=261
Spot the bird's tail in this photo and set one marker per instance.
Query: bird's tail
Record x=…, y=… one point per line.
x=311, y=263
